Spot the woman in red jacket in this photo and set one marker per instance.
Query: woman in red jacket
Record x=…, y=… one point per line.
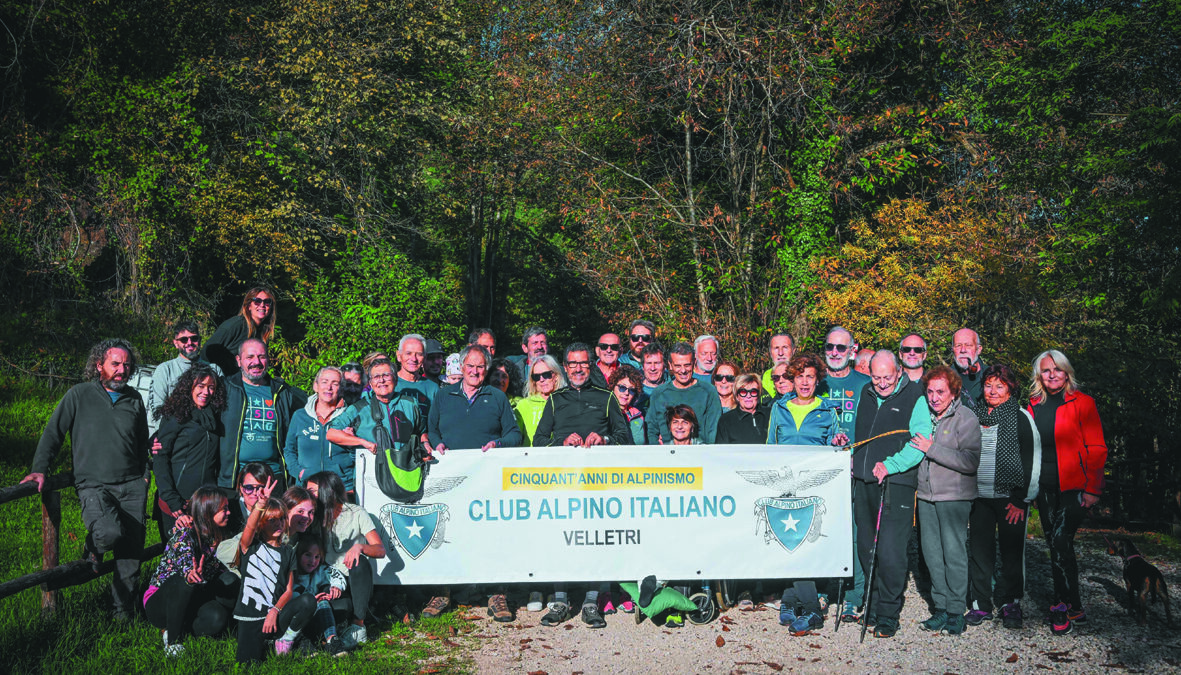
x=1073, y=454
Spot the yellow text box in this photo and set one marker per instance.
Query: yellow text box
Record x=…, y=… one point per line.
x=602, y=478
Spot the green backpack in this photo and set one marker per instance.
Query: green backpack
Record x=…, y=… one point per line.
x=401, y=468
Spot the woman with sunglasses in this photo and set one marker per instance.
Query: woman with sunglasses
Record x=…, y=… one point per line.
x=256, y=319
x=627, y=385
x=545, y=377
x=747, y=423
x=723, y=380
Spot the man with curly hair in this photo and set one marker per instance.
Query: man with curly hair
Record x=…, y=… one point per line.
x=108, y=428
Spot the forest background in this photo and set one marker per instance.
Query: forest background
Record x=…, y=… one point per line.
x=715, y=166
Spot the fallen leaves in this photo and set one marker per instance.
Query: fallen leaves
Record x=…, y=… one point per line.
x=721, y=641
x=1012, y=658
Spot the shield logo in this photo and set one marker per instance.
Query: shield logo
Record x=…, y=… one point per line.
x=790, y=522
x=414, y=528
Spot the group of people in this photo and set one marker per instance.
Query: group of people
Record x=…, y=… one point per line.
x=960, y=444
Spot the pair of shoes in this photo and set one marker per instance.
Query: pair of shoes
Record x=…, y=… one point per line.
x=1076, y=614
x=627, y=607
x=978, y=616
x=1060, y=619
x=806, y=624
x=535, y=603
x=354, y=636
x=936, y=623
x=592, y=617
x=283, y=647
x=954, y=625
x=885, y=628
x=647, y=590
x=745, y=603
x=558, y=613
x=606, y=603
x=1011, y=616
x=674, y=620
x=334, y=647
x=498, y=609
x=849, y=613
x=787, y=614
x=436, y=606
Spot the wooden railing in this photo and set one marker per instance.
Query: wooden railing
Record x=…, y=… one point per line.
x=54, y=576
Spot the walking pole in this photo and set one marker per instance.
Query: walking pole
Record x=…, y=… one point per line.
x=840, y=588
x=873, y=558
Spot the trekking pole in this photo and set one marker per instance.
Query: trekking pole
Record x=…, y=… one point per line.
x=840, y=588
x=873, y=559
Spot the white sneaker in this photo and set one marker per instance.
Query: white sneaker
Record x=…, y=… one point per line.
x=354, y=635
x=535, y=603
x=173, y=651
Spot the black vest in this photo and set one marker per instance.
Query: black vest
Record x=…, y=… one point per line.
x=874, y=417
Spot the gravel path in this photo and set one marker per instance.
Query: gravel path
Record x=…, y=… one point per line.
x=753, y=642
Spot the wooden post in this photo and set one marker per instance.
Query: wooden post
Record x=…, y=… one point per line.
x=51, y=519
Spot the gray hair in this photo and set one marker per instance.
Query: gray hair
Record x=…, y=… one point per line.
x=478, y=349
x=532, y=332
x=98, y=354
x=702, y=338
x=912, y=335
x=330, y=369
x=838, y=329
x=411, y=336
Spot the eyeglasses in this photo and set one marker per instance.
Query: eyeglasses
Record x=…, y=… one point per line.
x=779, y=378
x=840, y=349
x=266, y=302
x=577, y=364
x=625, y=389
x=723, y=378
x=912, y=350
x=381, y=378
x=748, y=393
x=637, y=337
x=543, y=375
x=250, y=489
x=609, y=348
x=186, y=339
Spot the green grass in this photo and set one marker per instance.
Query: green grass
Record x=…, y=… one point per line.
x=80, y=637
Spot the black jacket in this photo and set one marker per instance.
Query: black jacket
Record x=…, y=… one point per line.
x=582, y=411
x=740, y=427
x=222, y=347
x=190, y=456
x=877, y=416
x=288, y=399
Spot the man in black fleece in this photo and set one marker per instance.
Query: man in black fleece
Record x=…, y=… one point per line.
x=108, y=428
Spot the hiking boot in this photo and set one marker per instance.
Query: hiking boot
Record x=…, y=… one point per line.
x=1076, y=614
x=806, y=624
x=437, y=605
x=1011, y=616
x=354, y=636
x=849, y=613
x=592, y=617
x=535, y=603
x=885, y=628
x=787, y=614
x=955, y=624
x=558, y=613
x=498, y=609
x=674, y=620
x=1060, y=619
x=335, y=647
x=936, y=623
x=977, y=616
x=647, y=590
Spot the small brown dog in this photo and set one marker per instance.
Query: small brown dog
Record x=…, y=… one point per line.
x=1141, y=577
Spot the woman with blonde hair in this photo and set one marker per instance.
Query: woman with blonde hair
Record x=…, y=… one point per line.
x=545, y=377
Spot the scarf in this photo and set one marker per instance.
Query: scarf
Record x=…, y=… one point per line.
x=1006, y=417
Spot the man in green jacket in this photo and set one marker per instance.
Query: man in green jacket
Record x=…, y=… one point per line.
x=108, y=428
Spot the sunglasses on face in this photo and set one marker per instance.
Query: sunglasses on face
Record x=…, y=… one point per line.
x=779, y=378
x=186, y=339
x=609, y=348
x=840, y=349
x=543, y=375
x=636, y=337
x=723, y=378
x=913, y=350
x=625, y=389
x=250, y=489
x=266, y=302
x=748, y=393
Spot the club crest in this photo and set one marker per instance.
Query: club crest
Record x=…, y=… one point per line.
x=788, y=519
x=414, y=528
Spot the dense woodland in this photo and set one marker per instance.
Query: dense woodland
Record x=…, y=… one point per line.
x=724, y=166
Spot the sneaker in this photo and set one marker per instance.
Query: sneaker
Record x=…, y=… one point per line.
x=806, y=624
x=334, y=647
x=674, y=620
x=936, y=623
x=558, y=613
x=627, y=607
x=1011, y=616
x=164, y=635
x=1076, y=614
x=436, y=606
x=745, y=603
x=849, y=613
x=283, y=647
x=871, y=620
x=787, y=615
x=1060, y=619
x=822, y=598
x=885, y=628
x=354, y=636
x=977, y=617
x=606, y=603
x=592, y=617
x=535, y=603
x=173, y=651
x=647, y=590
x=498, y=609
x=954, y=624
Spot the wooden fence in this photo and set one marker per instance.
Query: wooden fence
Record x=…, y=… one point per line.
x=53, y=576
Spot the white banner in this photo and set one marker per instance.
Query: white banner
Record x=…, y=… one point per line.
x=618, y=513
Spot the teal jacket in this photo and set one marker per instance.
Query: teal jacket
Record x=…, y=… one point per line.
x=819, y=427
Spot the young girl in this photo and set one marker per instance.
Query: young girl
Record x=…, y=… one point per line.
x=322, y=582
x=267, y=603
x=191, y=591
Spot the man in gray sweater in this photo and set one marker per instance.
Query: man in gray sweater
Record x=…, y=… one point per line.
x=108, y=429
x=683, y=388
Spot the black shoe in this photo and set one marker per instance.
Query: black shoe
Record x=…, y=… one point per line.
x=558, y=613
x=335, y=648
x=592, y=617
x=647, y=590
x=91, y=555
x=885, y=628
